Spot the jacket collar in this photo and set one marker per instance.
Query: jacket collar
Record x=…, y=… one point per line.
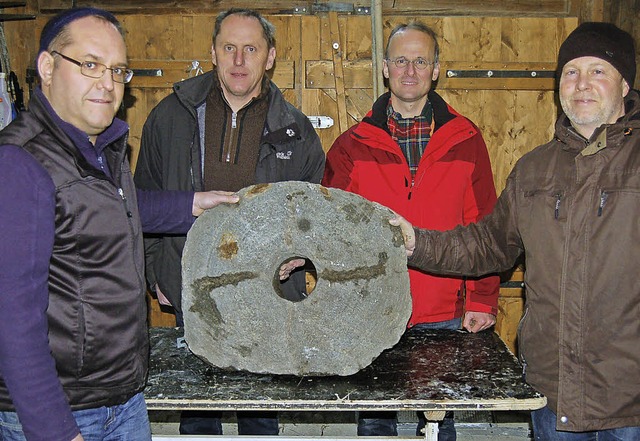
x=442, y=113
x=280, y=126
x=112, y=142
x=603, y=135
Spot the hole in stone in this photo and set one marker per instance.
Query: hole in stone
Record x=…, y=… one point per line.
x=300, y=283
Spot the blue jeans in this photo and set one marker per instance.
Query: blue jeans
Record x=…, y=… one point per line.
x=386, y=423
x=124, y=422
x=544, y=429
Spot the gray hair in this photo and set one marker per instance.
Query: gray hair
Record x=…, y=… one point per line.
x=416, y=26
x=268, y=30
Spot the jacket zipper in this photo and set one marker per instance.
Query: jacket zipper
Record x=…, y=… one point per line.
x=556, y=212
x=124, y=200
x=523, y=361
x=603, y=200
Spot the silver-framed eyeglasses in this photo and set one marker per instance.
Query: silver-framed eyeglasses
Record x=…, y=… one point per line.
x=93, y=69
x=419, y=63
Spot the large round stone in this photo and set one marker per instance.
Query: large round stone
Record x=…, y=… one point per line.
x=236, y=313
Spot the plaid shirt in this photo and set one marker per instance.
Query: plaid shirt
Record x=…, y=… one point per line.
x=411, y=134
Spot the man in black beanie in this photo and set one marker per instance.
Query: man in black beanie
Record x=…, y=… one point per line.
x=570, y=207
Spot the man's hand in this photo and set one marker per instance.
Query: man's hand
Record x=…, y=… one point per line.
x=407, y=233
x=203, y=200
x=478, y=321
x=78, y=438
x=287, y=268
x=162, y=299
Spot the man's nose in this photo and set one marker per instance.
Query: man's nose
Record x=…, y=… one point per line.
x=583, y=82
x=238, y=58
x=107, y=80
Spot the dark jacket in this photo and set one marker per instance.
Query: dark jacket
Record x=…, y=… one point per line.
x=171, y=159
x=96, y=304
x=571, y=207
x=453, y=186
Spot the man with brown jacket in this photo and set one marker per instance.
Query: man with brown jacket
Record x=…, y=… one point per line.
x=571, y=208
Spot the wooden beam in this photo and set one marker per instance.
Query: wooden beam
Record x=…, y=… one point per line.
x=587, y=10
x=377, y=47
x=338, y=71
x=402, y=7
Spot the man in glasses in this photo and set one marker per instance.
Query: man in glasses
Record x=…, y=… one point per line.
x=73, y=331
x=415, y=154
x=571, y=207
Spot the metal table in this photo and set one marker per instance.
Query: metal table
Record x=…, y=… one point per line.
x=427, y=370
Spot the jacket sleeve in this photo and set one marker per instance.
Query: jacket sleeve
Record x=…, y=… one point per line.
x=492, y=245
x=479, y=200
x=148, y=176
x=337, y=171
x=27, y=223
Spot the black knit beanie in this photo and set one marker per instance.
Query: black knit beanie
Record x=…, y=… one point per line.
x=604, y=41
x=53, y=27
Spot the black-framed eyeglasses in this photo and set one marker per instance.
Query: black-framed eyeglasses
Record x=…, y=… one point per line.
x=94, y=69
x=419, y=63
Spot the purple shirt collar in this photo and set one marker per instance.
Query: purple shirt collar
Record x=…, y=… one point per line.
x=94, y=154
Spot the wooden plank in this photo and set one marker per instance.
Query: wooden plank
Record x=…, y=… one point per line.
x=359, y=102
x=319, y=74
x=510, y=310
x=338, y=73
x=288, y=66
x=168, y=36
x=409, y=7
x=158, y=316
x=177, y=70
x=497, y=83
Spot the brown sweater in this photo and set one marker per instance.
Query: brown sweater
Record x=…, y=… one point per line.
x=232, y=140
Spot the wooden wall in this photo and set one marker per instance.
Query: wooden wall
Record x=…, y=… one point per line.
x=324, y=65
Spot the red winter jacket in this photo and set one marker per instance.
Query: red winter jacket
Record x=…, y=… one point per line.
x=453, y=186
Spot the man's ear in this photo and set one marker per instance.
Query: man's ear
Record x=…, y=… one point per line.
x=45, y=64
x=213, y=54
x=436, y=71
x=625, y=88
x=385, y=69
x=271, y=58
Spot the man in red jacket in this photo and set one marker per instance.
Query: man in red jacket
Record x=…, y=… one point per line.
x=416, y=155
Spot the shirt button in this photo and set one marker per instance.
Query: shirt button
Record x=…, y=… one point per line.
x=564, y=419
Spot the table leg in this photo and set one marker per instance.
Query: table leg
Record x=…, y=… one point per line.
x=431, y=428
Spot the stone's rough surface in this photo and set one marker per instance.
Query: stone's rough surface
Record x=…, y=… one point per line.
x=234, y=315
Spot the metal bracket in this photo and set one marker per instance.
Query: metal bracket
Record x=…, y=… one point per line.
x=181, y=343
x=148, y=72
x=500, y=74
x=321, y=122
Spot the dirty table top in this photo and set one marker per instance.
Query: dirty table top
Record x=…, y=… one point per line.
x=426, y=370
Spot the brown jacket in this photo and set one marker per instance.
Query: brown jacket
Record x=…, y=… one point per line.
x=572, y=207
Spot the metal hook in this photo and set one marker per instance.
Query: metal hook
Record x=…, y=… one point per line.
x=195, y=69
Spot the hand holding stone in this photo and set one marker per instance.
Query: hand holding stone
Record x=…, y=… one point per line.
x=407, y=233
x=287, y=268
x=203, y=200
